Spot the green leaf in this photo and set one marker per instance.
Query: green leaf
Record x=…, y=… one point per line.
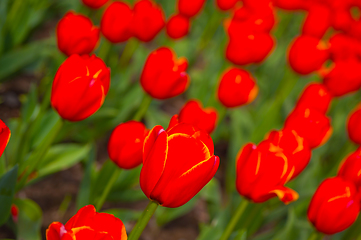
x=29, y=220
x=28, y=108
x=7, y=191
x=125, y=215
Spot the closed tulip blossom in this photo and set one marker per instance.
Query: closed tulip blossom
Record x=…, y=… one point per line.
x=94, y=3
x=164, y=76
x=310, y=124
x=79, y=87
x=263, y=170
x=318, y=20
x=354, y=126
x=125, y=147
x=87, y=224
x=177, y=164
x=178, y=26
x=4, y=136
x=315, y=96
x=148, y=20
x=226, y=5
x=193, y=113
x=343, y=47
x=76, y=34
x=236, y=88
x=334, y=206
x=116, y=22
x=190, y=8
x=351, y=168
x=307, y=54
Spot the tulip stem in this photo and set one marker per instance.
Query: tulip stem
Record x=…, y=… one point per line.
x=144, y=105
x=129, y=49
x=143, y=221
x=237, y=215
x=107, y=188
x=315, y=236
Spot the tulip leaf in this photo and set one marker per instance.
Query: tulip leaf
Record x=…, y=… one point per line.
x=7, y=191
x=29, y=220
x=125, y=215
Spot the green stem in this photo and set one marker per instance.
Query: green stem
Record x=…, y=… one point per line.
x=143, y=221
x=237, y=215
x=107, y=188
x=144, y=105
x=104, y=50
x=38, y=154
x=315, y=236
x=128, y=52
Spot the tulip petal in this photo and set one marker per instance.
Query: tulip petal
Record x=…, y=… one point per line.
x=81, y=218
x=173, y=121
x=285, y=194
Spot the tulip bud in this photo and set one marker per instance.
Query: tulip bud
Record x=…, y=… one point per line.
x=354, y=126
x=4, y=136
x=236, y=88
x=307, y=54
x=76, y=34
x=334, y=206
x=190, y=8
x=318, y=21
x=292, y=4
x=315, y=96
x=79, y=87
x=116, y=22
x=263, y=170
x=204, y=119
x=88, y=224
x=225, y=5
x=341, y=19
x=177, y=164
x=125, y=147
x=163, y=75
x=178, y=26
x=310, y=124
x=94, y=3
x=148, y=20
x=343, y=47
x=344, y=77
x=351, y=168
x=14, y=210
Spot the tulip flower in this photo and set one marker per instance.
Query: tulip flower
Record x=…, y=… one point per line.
x=226, y=5
x=351, y=168
x=318, y=21
x=116, y=22
x=343, y=47
x=344, y=77
x=148, y=20
x=190, y=8
x=292, y=4
x=79, y=87
x=76, y=34
x=354, y=126
x=14, y=210
x=315, y=96
x=163, y=75
x=334, y=206
x=177, y=163
x=178, y=26
x=94, y=3
x=125, y=147
x=310, y=124
x=263, y=170
x=193, y=113
x=4, y=136
x=87, y=224
x=236, y=88
x=307, y=54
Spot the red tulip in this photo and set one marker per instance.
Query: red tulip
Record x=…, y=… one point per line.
x=190, y=8
x=344, y=77
x=148, y=20
x=116, y=22
x=225, y=5
x=334, y=206
x=4, y=136
x=87, y=224
x=292, y=4
x=79, y=87
x=343, y=47
x=163, y=75
x=94, y=3
x=236, y=88
x=14, y=210
x=76, y=34
x=318, y=21
x=177, y=164
x=178, y=26
x=310, y=124
x=341, y=19
x=315, y=96
x=263, y=170
x=125, y=146
x=307, y=54
x=351, y=168
x=354, y=126
x=204, y=119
